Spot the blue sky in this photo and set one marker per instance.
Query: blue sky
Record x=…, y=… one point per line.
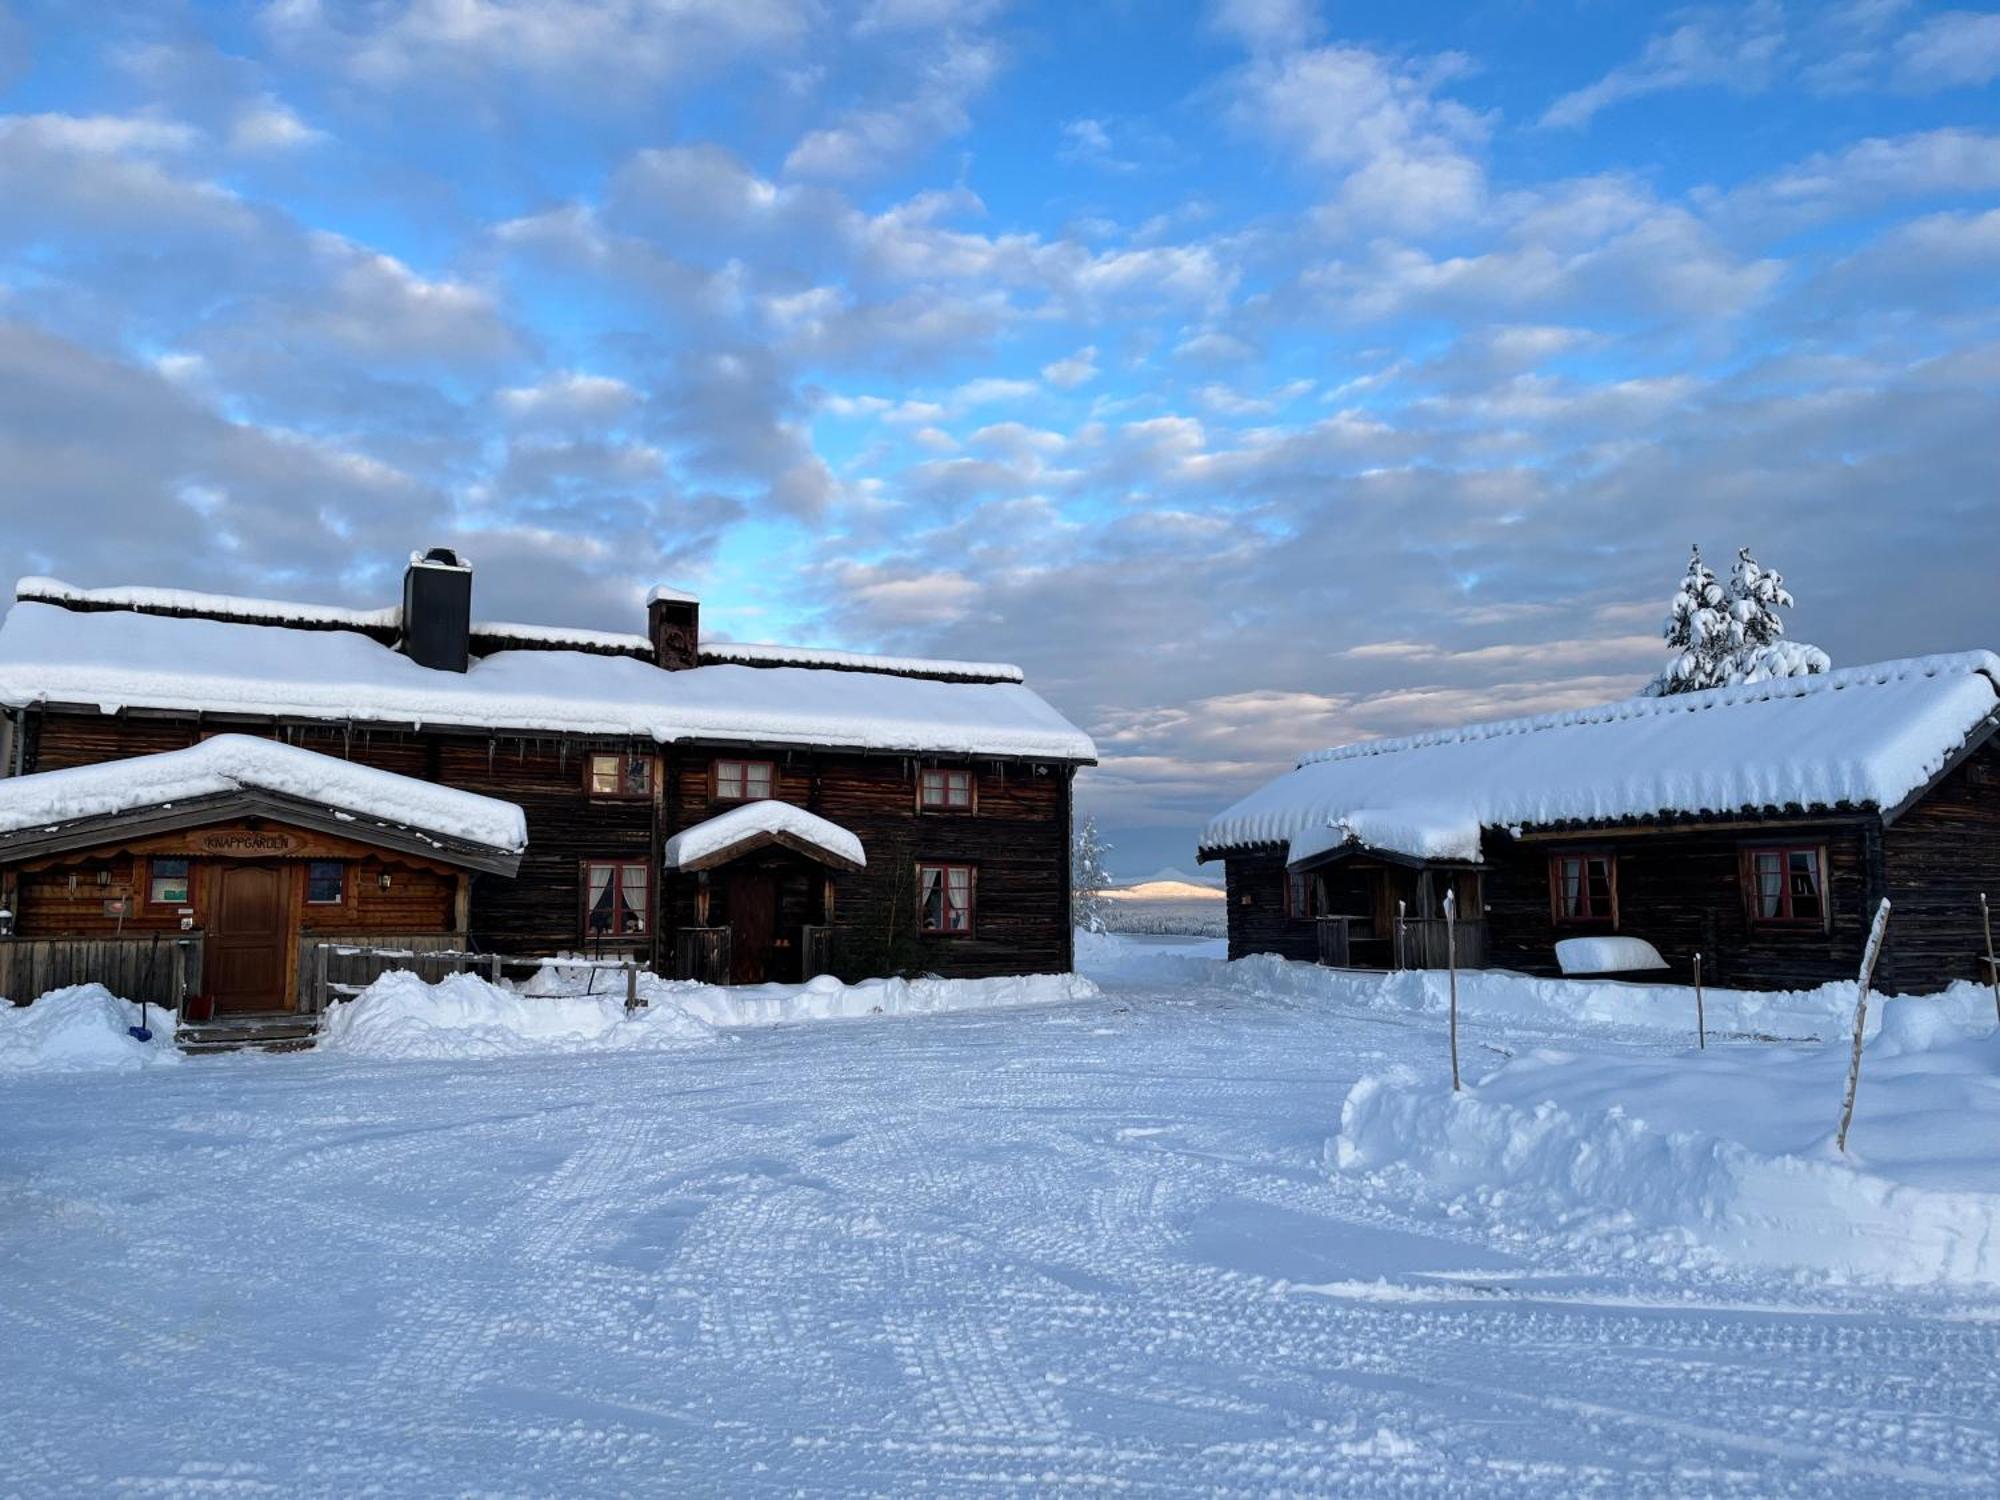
x=1258, y=374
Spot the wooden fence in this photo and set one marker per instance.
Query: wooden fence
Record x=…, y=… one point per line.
x=1421, y=943
x=341, y=970
x=159, y=968
x=702, y=953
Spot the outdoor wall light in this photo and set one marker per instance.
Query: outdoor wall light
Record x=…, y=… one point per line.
x=384, y=880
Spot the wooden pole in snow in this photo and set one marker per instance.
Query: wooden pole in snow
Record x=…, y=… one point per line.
x=1873, y=952
x=1402, y=952
x=1700, y=1022
x=1451, y=969
x=1992, y=968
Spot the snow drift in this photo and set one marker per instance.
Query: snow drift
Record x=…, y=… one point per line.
x=827, y=999
x=464, y=1016
x=1722, y=1157
x=83, y=1028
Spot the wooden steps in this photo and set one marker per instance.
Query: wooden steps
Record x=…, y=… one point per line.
x=277, y=1031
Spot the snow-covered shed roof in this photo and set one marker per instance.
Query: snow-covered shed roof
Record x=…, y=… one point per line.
x=360, y=800
x=1862, y=737
x=117, y=659
x=756, y=824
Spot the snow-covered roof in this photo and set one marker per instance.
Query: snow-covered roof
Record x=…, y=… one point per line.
x=1861, y=737
x=855, y=661
x=213, y=606
x=661, y=594
x=563, y=635
x=114, y=660
x=46, y=800
x=755, y=824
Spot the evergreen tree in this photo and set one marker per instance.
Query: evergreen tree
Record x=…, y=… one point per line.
x=1697, y=631
x=1088, y=878
x=1758, y=649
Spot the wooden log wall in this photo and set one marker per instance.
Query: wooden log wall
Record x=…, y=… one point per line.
x=1017, y=835
x=1255, y=886
x=1937, y=858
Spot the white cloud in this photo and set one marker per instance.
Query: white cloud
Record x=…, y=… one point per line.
x=1266, y=25
x=267, y=124
x=1077, y=369
x=867, y=141
x=569, y=396
x=1957, y=49
x=1735, y=49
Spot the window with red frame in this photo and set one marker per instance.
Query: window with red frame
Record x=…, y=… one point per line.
x=1786, y=886
x=941, y=789
x=744, y=780
x=617, y=894
x=944, y=898
x=1583, y=889
x=619, y=776
x=1302, y=896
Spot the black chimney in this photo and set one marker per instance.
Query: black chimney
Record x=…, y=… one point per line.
x=437, y=610
x=673, y=621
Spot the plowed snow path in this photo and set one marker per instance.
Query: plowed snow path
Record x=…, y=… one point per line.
x=1088, y=1249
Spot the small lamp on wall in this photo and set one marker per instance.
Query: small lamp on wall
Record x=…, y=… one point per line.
x=383, y=880
x=6, y=923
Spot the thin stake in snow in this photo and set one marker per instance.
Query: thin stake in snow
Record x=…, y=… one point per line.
x=1873, y=952
x=1700, y=1022
x=1992, y=968
x=1451, y=971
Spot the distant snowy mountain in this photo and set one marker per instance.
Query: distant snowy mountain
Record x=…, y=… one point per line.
x=1169, y=885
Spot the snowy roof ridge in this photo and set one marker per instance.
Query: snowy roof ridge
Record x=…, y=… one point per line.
x=762, y=821
x=146, y=599
x=226, y=763
x=563, y=635
x=1870, y=736
x=1979, y=662
x=752, y=653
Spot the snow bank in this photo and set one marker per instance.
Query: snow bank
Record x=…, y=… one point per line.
x=236, y=762
x=1608, y=1006
x=827, y=999
x=1718, y=1158
x=1607, y=955
x=82, y=1029
x=1865, y=737
x=464, y=1016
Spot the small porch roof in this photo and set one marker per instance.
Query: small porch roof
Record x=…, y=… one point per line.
x=233, y=775
x=757, y=825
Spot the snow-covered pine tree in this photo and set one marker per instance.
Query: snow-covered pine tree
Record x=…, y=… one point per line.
x=1697, y=631
x=1088, y=878
x=1758, y=650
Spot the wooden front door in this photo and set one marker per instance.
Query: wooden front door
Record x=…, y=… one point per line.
x=244, y=965
x=753, y=924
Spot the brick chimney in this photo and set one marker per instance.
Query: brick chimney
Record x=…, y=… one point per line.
x=673, y=623
x=437, y=610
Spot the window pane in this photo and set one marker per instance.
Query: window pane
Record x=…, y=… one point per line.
x=930, y=885
x=960, y=884
x=638, y=776
x=169, y=880
x=1805, y=885
x=1770, y=885
x=1600, y=887
x=961, y=788
x=325, y=882
x=1572, y=887
x=632, y=898
x=757, y=780
x=599, y=903
x=933, y=788
x=729, y=778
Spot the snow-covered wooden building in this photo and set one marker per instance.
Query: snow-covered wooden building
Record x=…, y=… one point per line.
x=264, y=774
x=1757, y=825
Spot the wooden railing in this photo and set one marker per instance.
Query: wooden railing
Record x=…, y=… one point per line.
x=1421, y=944
x=342, y=970
x=1336, y=941
x=353, y=962
x=702, y=953
x=159, y=968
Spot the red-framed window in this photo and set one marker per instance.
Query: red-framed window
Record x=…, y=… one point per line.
x=617, y=776
x=617, y=895
x=744, y=780
x=945, y=898
x=1784, y=885
x=944, y=789
x=1301, y=896
x=1583, y=888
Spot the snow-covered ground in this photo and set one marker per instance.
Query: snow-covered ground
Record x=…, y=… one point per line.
x=1106, y=1244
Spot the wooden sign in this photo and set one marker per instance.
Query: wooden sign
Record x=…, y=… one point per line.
x=245, y=843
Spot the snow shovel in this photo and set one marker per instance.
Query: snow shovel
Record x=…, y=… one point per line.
x=143, y=1032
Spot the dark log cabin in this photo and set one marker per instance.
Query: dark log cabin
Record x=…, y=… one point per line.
x=1758, y=826
x=940, y=790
